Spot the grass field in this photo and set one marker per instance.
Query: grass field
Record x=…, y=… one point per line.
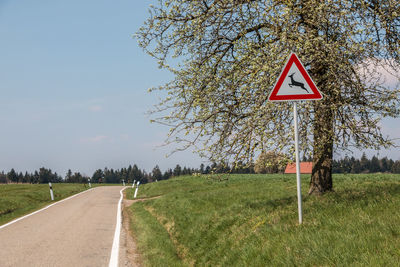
x=252, y=220
x=20, y=199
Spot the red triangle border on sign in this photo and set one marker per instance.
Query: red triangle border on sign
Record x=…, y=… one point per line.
x=316, y=95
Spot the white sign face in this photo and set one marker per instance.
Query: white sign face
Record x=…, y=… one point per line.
x=294, y=83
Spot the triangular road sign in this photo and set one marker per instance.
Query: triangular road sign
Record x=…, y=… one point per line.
x=294, y=83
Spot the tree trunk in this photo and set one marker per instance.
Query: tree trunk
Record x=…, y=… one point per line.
x=321, y=177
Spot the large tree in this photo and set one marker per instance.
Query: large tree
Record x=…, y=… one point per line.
x=226, y=56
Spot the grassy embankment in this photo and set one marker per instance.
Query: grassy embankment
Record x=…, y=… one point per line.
x=20, y=199
x=252, y=220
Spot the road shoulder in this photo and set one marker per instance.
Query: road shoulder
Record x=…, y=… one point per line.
x=129, y=255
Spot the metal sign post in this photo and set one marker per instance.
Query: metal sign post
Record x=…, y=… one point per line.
x=296, y=141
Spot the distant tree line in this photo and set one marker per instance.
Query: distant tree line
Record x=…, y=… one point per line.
x=42, y=176
x=133, y=173
x=272, y=162
x=130, y=174
x=365, y=165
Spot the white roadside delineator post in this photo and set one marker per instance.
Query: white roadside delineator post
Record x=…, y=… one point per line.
x=51, y=191
x=90, y=185
x=137, y=187
x=123, y=182
x=133, y=184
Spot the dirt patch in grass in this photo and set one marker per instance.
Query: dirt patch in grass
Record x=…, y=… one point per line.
x=129, y=252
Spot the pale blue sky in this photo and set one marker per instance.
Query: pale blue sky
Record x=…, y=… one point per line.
x=73, y=88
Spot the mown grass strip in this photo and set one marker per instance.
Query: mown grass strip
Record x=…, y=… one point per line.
x=251, y=220
x=17, y=200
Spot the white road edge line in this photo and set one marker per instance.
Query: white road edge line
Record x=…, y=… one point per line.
x=115, y=246
x=42, y=209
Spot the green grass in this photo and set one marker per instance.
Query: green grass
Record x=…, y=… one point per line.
x=252, y=220
x=20, y=199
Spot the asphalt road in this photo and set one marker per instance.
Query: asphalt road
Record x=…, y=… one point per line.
x=76, y=232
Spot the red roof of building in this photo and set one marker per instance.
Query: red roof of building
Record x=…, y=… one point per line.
x=305, y=167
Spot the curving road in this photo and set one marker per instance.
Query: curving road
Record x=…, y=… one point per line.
x=76, y=232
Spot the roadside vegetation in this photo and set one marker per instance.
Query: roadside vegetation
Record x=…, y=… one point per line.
x=252, y=220
x=20, y=199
